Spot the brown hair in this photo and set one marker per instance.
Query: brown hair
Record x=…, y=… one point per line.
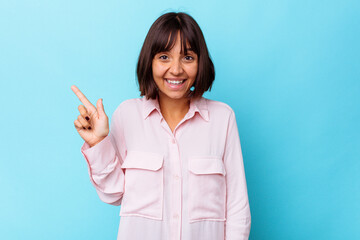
x=157, y=40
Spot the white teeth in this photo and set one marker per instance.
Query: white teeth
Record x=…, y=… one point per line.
x=174, y=82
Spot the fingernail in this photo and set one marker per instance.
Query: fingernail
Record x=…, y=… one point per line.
x=89, y=128
x=87, y=118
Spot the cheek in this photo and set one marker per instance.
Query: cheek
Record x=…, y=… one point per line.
x=192, y=71
x=158, y=70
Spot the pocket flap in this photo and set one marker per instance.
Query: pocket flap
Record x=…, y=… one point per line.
x=143, y=160
x=206, y=165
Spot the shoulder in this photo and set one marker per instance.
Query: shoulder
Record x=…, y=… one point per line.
x=221, y=114
x=130, y=103
x=128, y=106
x=217, y=108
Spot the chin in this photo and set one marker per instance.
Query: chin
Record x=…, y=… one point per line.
x=176, y=95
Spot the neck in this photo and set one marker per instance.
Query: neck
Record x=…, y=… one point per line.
x=173, y=108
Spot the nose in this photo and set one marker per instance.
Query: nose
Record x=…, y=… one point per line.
x=176, y=67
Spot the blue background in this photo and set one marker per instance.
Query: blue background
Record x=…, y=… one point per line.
x=289, y=69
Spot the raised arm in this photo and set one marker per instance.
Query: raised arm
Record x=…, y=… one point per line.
x=100, y=149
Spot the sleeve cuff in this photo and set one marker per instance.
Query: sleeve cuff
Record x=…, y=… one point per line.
x=99, y=156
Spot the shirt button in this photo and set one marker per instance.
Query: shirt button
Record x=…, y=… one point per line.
x=176, y=216
x=176, y=177
x=173, y=141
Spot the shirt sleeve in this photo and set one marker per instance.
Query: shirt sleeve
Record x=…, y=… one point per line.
x=238, y=218
x=104, y=162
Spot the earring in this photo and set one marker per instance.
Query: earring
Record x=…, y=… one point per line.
x=192, y=88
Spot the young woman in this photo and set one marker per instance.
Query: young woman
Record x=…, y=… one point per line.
x=172, y=159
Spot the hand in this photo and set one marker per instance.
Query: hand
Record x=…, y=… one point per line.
x=92, y=124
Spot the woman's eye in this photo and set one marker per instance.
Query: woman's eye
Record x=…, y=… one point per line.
x=163, y=57
x=189, y=58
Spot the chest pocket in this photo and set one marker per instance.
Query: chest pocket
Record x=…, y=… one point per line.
x=143, y=193
x=207, y=189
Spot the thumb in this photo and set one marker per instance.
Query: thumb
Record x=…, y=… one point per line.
x=100, y=107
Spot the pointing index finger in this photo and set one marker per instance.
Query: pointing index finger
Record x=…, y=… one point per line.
x=82, y=97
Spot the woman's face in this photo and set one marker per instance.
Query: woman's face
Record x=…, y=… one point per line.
x=174, y=73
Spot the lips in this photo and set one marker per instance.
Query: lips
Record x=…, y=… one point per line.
x=175, y=83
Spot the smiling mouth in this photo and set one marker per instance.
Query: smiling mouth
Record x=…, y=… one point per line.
x=175, y=82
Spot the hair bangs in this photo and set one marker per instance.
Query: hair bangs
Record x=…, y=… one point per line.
x=166, y=40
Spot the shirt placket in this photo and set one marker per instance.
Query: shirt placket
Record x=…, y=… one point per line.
x=176, y=178
x=176, y=183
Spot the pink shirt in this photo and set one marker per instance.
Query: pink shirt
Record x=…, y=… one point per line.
x=188, y=184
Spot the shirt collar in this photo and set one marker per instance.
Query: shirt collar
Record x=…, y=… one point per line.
x=196, y=105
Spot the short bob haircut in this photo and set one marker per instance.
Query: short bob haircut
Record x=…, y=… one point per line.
x=157, y=40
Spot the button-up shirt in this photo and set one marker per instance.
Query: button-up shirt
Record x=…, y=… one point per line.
x=184, y=184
